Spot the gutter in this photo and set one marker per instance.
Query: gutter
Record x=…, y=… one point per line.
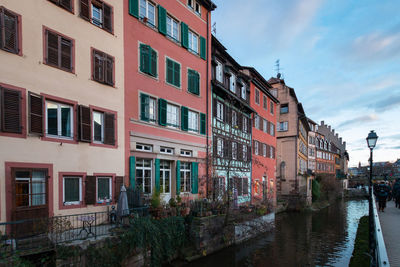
x=207, y=106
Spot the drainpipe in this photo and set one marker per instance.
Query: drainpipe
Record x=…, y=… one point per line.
x=207, y=113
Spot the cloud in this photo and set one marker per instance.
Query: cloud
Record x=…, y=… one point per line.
x=359, y=120
x=388, y=103
x=396, y=147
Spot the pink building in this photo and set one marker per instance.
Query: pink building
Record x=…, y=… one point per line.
x=166, y=95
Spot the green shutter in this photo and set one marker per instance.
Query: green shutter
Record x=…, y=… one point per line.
x=203, y=50
x=195, y=177
x=144, y=58
x=177, y=74
x=144, y=107
x=134, y=8
x=184, y=118
x=193, y=82
x=162, y=112
x=190, y=81
x=132, y=171
x=184, y=35
x=162, y=20
x=157, y=174
x=202, y=123
x=170, y=71
x=178, y=177
x=153, y=62
x=196, y=81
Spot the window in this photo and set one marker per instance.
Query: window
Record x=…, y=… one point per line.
x=98, y=127
x=264, y=150
x=220, y=111
x=72, y=192
x=147, y=12
x=245, y=121
x=59, y=51
x=265, y=102
x=241, y=185
x=284, y=108
x=193, y=42
x=143, y=175
x=232, y=83
x=234, y=118
x=193, y=121
x=166, y=150
x=172, y=28
x=243, y=92
x=218, y=72
x=11, y=111
x=234, y=150
x=185, y=176
x=265, y=125
x=271, y=106
x=197, y=8
x=30, y=188
x=220, y=147
x=172, y=115
x=244, y=153
x=272, y=129
x=148, y=60
x=104, y=185
x=257, y=121
x=186, y=153
x=97, y=15
x=191, y=3
x=271, y=152
x=257, y=96
x=147, y=108
x=283, y=126
x=59, y=120
x=144, y=147
x=193, y=82
x=66, y=4
x=173, y=73
x=256, y=149
x=103, y=67
x=97, y=12
x=9, y=27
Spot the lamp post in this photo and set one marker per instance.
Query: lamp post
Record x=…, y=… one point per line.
x=371, y=141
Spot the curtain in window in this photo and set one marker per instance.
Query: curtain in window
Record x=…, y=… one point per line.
x=66, y=121
x=103, y=188
x=71, y=190
x=38, y=188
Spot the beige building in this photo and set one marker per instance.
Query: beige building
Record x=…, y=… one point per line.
x=62, y=111
x=311, y=145
x=293, y=177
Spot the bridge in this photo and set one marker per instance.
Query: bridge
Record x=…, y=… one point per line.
x=390, y=224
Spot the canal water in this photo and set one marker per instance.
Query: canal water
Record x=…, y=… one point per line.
x=323, y=238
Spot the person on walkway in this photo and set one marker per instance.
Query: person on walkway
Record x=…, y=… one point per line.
x=382, y=193
x=396, y=193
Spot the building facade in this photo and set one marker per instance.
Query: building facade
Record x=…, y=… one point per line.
x=294, y=180
x=311, y=145
x=231, y=126
x=61, y=136
x=263, y=169
x=167, y=69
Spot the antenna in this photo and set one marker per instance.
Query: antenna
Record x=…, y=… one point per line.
x=278, y=69
x=214, y=28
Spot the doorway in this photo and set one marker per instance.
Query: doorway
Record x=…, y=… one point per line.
x=165, y=180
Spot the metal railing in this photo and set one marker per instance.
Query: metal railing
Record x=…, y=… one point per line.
x=380, y=253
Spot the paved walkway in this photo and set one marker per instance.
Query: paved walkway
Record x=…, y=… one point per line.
x=390, y=223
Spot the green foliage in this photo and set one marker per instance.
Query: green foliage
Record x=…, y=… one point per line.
x=360, y=257
x=172, y=202
x=155, y=199
x=316, y=190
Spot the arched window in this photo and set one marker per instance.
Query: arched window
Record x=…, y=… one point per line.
x=283, y=170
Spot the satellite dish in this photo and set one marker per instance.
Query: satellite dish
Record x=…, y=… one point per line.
x=278, y=76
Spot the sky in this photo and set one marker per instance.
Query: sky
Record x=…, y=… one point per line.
x=342, y=57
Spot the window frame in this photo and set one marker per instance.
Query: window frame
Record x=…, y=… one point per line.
x=183, y=185
x=110, y=182
x=18, y=33
x=174, y=64
x=169, y=124
x=143, y=168
x=102, y=127
x=219, y=72
x=144, y=146
x=234, y=150
x=72, y=203
x=171, y=28
x=186, y=153
x=220, y=147
x=104, y=57
x=192, y=36
x=271, y=107
x=72, y=122
x=155, y=76
x=196, y=114
x=243, y=91
x=256, y=96
x=171, y=152
x=147, y=13
x=284, y=108
x=22, y=111
x=220, y=111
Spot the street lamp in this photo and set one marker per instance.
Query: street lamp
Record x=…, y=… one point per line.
x=371, y=141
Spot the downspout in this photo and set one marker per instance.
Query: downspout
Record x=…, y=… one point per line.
x=207, y=100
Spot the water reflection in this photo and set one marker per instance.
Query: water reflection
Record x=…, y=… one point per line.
x=324, y=238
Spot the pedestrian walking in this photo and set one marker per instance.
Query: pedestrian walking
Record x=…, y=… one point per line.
x=396, y=193
x=382, y=193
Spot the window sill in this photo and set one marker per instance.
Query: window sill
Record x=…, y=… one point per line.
x=19, y=53
x=103, y=83
x=148, y=75
x=72, y=71
x=173, y=85
x=59, y=139
x=194, y=94
x=104, y=145
x=15, y=135
x=72, y=206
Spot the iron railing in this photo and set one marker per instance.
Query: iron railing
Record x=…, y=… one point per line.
x=380, y=253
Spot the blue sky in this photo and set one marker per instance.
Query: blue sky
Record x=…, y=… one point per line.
x=341, y=56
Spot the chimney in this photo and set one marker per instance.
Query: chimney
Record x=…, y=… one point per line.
x=322, y=123
x=340, y=139
x=329, y=127
x=344, y=145
x=333, y=131
x=337, y=136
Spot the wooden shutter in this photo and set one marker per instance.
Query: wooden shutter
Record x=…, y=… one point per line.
x=162, y=20
x=66, y=4
x=11, y=111
x=10, y=31
x=203, y=123
x=197, y=83
x=184, y=118
x=203, y=49
x=190, y=81
x=249, y=153
x=162, y=112
x=132, y=171
x=109, y=70
x=145, y=58
x=35, y=114
x=52, y=48
x=249, y=125
x=195, y=177
x=178, y=177
x=239, y=120
x=184, y=35
x=119, y=181
x=177, y=74
x=90, y=190
x=98, y=66
x=157, y=174
x=227, y=149
x=227, y=114
x=144, y=107
x=85, y=9
x=66, y=54
x=268, y=151
x=134, y=8
x=85, y=124
x=153, y=62
x=107, y=17
x=214, y=110
x=273, y=152
x=109, y=129
x=261, y=123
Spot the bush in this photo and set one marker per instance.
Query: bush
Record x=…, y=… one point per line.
x=316, y=190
